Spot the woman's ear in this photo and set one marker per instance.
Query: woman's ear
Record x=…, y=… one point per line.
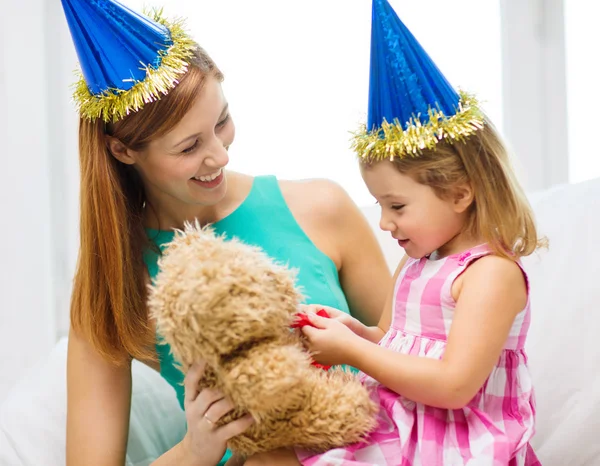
x=119, y=151
x=463, y=198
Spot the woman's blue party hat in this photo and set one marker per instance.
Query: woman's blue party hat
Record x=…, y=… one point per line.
x=126, y=59
x=412, y=105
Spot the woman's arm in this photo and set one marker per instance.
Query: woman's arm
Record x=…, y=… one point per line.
x=492, y=293
x=386, y=316
x=98, y=403
x=204, y=443
x=371, y=333
x=364, y=273
x=338, y=228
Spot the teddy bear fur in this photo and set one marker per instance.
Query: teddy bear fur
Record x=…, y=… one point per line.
x=229, y=304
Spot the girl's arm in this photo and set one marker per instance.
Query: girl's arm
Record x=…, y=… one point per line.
x=491, y=293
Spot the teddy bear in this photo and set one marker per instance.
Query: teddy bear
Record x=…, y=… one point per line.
x=229, y=304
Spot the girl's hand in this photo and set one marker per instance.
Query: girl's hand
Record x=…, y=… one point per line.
x=353, y=324
x=205, y=443
x=328, y=340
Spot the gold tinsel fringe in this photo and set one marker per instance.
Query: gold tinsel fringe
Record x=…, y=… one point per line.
x=392, y=140
x=114, y=104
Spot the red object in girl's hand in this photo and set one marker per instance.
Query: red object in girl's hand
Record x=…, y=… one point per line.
x=302, y=320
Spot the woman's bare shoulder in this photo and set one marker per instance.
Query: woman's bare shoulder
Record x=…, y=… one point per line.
x=321, y=197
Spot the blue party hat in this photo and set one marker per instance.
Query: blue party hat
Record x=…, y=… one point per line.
x=412, y=105
x=126, y=59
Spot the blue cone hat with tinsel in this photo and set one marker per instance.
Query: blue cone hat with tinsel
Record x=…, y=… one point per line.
x=412, y=106
x=126, y=59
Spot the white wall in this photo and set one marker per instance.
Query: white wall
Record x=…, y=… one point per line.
x=62, y=152
x=27, y=324
x=582, y=37
x=297, y=72
x=296, y=79
x=534, y=88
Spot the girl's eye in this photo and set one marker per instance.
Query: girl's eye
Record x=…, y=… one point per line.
x=191, y=148
x=223, y=122
x=398, y=207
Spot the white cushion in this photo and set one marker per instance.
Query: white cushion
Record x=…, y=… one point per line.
x=33, y=416
x=8, y=454
x=563, y=347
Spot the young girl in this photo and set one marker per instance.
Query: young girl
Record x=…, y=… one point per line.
x=450, y=370
x=447, y=363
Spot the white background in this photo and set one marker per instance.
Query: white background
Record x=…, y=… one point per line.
x=297, y=73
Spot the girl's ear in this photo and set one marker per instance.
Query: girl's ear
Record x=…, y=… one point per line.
x=463, y=198
x=119, y=151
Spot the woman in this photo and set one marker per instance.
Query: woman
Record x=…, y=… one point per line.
x=144, y=172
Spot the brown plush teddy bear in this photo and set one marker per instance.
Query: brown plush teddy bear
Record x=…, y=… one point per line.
x=230, y=305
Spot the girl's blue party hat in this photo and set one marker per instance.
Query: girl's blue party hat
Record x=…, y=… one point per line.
x=412, y=105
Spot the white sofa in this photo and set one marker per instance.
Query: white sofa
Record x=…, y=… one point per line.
x=563, y=348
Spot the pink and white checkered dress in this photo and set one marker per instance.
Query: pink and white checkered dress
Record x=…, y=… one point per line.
x=493, y=429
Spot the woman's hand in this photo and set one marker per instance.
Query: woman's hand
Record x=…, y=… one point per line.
x=205, y=443
x=328, y=339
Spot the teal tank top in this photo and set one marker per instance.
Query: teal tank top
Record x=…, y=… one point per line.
x=263, y=220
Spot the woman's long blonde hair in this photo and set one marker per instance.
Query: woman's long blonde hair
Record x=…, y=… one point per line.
x=500, y=213
x=108, y=305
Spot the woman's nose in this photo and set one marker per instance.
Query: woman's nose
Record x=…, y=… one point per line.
x=218, y=156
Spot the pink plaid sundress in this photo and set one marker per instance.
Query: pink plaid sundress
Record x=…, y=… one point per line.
x=496, y=425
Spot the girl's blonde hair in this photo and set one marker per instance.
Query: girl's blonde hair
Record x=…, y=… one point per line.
x=108, y=305
x=500, y=213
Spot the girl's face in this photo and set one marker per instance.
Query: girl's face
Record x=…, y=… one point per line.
x=413, y=213
x=184, y=168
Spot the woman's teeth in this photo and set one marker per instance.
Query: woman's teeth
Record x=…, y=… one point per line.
x=208, y=177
